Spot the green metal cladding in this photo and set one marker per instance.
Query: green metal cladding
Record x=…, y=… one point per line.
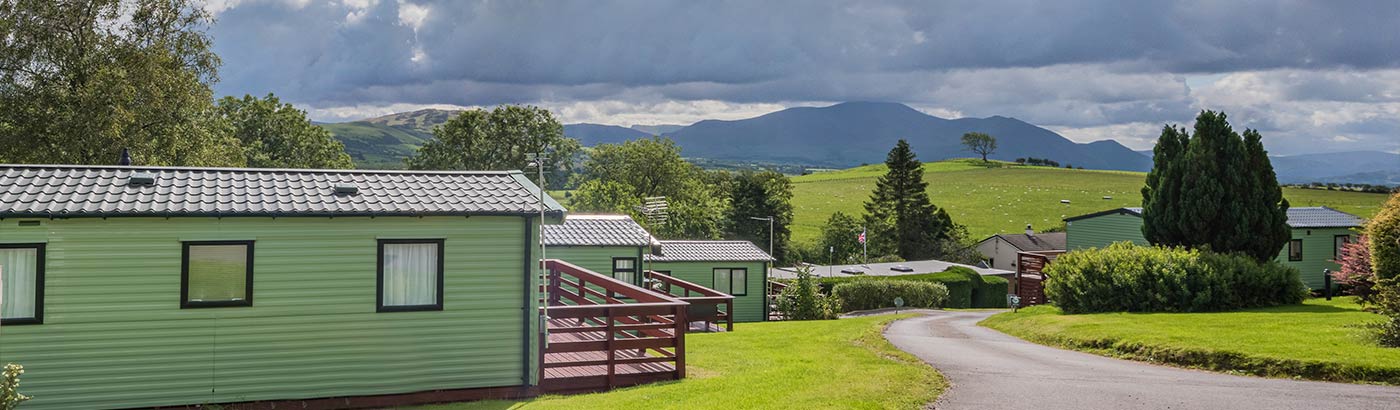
x=114, y=335
x=1100, y=231
x=747, y=308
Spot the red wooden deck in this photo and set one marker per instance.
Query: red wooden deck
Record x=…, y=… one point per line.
x=604, y=333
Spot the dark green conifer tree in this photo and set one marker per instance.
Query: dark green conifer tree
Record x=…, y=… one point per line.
x=899, y=216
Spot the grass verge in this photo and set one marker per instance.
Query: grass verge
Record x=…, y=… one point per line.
x=1317, y=340
x=835, y=364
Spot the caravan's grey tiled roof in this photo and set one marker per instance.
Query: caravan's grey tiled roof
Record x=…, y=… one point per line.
x=1298, y=217
x=718, y=251
x=1321, y=217
x=102, y=191
x=597, y=230
x=1047, y=241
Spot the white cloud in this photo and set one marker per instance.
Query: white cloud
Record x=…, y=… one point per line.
x=358, y=9
x=412, y=15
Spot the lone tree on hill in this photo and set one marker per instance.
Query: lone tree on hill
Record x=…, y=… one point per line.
x=899, y=215
x=980, y=143
x=1214, y=189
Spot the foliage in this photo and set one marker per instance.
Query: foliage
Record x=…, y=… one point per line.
x=81, y=80
x=697, y=201
x=1384, y=231
x=958, y=247
x=761, y=194
x=1044, y=162
x=980, y=143
x=900, y=218
x=1216, y=190
x=991, y=200
x=1316, y=340
x=966, y=288
x=1388, y=304
x=277, y=135
x=886, y=259
x=498, y=140
x=839, y=240
x=803, y=300
x=10, y=397
x=1127, y=278
x=1355, y=274
x=875, y=294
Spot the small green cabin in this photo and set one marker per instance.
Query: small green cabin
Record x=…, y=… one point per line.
x=1318, y=234
x=607, y=244
x=735, y=267
x=154, y=286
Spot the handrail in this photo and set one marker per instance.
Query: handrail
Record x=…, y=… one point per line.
x=708, y=297
x=601, y=321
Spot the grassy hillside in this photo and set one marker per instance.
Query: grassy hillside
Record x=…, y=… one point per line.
x=1006, y=196
x=377, y=146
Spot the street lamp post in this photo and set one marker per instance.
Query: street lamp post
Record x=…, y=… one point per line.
x=770, y=231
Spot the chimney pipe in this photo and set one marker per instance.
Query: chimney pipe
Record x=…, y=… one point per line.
x=126, y=157
x=1029, y=231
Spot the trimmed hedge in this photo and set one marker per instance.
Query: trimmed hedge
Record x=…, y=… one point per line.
x=966, y=288
x=876, y=294
x=1128, y=278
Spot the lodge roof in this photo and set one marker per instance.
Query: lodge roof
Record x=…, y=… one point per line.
x=597, y=230
x=709, y=251
x=1298, y=217
x=69, y=191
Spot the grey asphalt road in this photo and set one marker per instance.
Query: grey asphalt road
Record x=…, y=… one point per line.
x=991, y=370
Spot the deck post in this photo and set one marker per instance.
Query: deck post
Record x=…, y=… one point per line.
x=612, y=354
x=682, y=325
x=729, y=315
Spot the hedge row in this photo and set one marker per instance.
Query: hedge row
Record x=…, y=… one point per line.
x=876, y=294
x=1128, y=278
x=966, y=288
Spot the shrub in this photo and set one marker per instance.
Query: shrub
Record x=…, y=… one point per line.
x=10, y=398
x=874, y=294
x=1388, y=303
x=1384, y=230
x=802, y=299
x=966, y=288
x=1356, y=275
x=886, y=259
x=1128, y=278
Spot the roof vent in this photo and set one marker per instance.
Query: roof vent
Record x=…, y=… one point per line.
x=141, y=178
x=346, y=189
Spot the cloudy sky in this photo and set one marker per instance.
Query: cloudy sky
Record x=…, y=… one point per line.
x=1311, y=76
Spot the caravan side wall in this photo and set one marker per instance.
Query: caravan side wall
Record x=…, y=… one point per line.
x=749, y=307
x=114, y=335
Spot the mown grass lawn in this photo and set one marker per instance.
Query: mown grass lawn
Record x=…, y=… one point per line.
x=1318, y=339
x=1006, y=197
x=836, y=364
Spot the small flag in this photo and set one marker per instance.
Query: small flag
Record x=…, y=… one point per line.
x=861, y=238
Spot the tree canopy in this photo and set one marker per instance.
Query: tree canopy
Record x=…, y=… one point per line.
x=616, y=176
x=899, y=215
x=761, y=194
x=277, y=135
x=81, y=80
x=499, y=139
x=980, y=143
x=1214, y=189
x=839, y=238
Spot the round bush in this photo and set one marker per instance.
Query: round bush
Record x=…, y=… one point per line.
x=876, y=294
x=1127, y=278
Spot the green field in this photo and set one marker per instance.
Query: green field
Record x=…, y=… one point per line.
x=1318, y=339
x=1006, y=197
x=833, y=364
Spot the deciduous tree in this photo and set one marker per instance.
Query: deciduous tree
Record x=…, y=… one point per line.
x=653, y=167
x=499, y=139
x=761, y=195
x=980, y=143
x=81, y=80
x=839, y=238
x=277, y=135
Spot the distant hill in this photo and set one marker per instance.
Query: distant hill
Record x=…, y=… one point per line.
x=377, y=146
x=850, y=134
x=594, y=134
x=1363, y=167
x=422, y=120
x=659, y=129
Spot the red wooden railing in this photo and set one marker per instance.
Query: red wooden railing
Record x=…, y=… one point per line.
x=603, y=333
x=1030, y=276
x=704, y=302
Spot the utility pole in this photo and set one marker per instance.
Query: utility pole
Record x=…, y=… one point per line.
x=770, y=231
x=537, y=161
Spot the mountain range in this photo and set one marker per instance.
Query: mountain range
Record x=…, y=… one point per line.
x=850, y=134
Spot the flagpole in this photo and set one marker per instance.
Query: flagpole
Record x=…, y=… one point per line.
x=864, y=258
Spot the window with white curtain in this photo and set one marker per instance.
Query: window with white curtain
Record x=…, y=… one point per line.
x=625, y=269
x=410, y=275
x=217, y=274
x=734, y=281
x=21, y=279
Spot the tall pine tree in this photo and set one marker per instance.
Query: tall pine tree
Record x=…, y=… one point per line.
x=1214, y=190
x=899, y=216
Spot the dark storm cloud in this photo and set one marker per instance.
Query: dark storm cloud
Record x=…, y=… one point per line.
x=1073, y=64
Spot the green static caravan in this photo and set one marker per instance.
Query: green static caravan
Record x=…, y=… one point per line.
x=149, y=286
x=608, y=244
x=1318, y=233
x=735, y=267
